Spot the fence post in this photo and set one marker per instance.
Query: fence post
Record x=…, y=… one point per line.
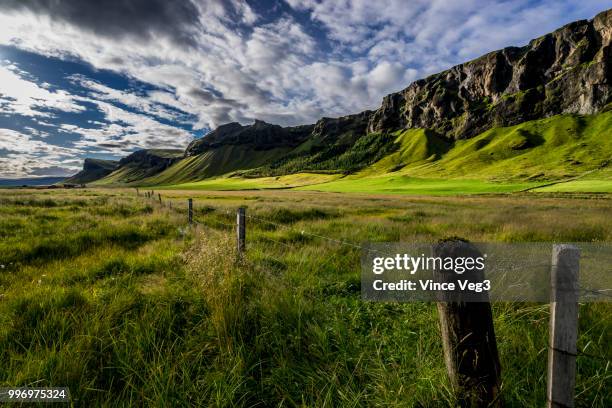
x=137, y=192
x=468, y=335
x=563, y=326
x=160, y=201
x=241, y=230
x=190, y=210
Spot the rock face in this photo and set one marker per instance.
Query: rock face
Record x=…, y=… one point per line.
x=260, y=136
x=152, y=159
x=330, y=129
x=566, y=71
x=93, y=169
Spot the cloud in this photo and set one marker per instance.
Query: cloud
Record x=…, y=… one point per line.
x=121, y=131
x=157, y=107
x=144, y=20
x=126, y=131
x=431, y=35
x=24, y=156
x=27, y=98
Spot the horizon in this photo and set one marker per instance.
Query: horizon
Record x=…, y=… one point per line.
x=72, y=88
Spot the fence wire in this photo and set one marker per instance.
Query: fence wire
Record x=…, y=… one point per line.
x=343, y=242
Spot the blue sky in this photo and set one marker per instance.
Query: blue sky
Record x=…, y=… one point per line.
x=104, y=78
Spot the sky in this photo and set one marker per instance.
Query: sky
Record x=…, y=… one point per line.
x=103, y=78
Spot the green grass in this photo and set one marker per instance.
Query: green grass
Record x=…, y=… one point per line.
x=580, y=186
x=215, y=162
x=399, y=184
x=114, y=297
x=594, y=182
x=547, y=149
x=260, y=183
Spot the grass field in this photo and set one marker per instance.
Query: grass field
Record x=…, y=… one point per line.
x=391, y=184
x=116, y=298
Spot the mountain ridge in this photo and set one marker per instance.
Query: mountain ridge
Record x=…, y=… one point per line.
x=567, y=71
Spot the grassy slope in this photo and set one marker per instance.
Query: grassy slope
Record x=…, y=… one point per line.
x=598, y=181
x=235, y=183
x=499, y=160
x=400, y=184
x=87, y=176
x=548, y=149
x=213, y=163
x=123, y=175
x=134, y=172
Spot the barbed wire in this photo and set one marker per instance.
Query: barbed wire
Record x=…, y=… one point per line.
x=597, y=292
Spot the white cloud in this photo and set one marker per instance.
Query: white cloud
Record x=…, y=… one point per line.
x=128, y=131
x=24, y=156
x=23, y=97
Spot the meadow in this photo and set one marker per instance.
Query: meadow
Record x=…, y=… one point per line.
x=117, y=298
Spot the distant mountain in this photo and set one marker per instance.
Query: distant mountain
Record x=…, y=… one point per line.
x=492, y=117
x=93, y=169
x=140, y=165
x=31, y=181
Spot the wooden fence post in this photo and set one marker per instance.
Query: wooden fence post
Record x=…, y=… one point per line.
x=160, y=201
x=137, y=192
x=190, y=210
x=241, y=230
x=468, y=336
x=563, y=326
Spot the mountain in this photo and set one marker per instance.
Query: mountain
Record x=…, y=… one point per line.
x=141, y=164
x=566, y=71
x=30, y=181
x=538, y=112
x=259, y=136
x=93, y=169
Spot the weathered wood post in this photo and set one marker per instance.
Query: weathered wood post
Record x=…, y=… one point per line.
x=160, y=201
x=190, y=210
x=137, y=192
x=468, y=336
x=563, y=326
x=241, y=231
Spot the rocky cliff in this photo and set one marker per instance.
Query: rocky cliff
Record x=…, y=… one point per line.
x=152, y=158
x=93, y=169
x=260, y=136
x=566, y=71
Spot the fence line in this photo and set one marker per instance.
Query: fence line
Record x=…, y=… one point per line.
x=562, y=350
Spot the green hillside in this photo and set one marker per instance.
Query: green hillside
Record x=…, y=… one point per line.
x=93, y=169
x=215, y=162
x=572, y=151
x=554, y=148
x=140, y=165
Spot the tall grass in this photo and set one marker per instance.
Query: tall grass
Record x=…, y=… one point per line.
x=117, y=299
